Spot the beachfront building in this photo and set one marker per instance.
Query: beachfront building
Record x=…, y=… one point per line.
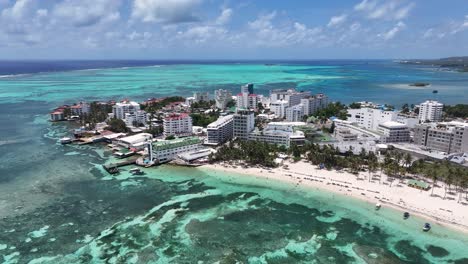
x=393, y=132
x=220, y=131
x=370, y=118
x=292, y=96
x=430, y=111
x=135, y=119
x=222, y=98
x=201, y=97
x=138, y=141
x=314, y=103
x=80, y=109
x=279, y=108
x=125, y=107
x=344, y=134
x=448, y=137
x=279, y=133
x=177, y=124
x=243, y=123
x=57, y=115
x=295, y=113
x=166, y=150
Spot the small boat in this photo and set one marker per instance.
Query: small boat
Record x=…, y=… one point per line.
x=426, y=227
x=377, y=206
x=406, y=215
x=65, y=140
x=435, y=91
x=136, y=171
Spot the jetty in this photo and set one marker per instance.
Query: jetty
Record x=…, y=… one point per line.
x=113, y=168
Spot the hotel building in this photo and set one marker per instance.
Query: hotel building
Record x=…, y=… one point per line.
x=166, y=150
x=292, y=96
x=177, y=124
x=279, y=133
x=393, y=132
x=295, y=113
x=243, y=123
x=370, y=118
x=222, y=98
x=125, y=107
x=430, y=111
x=279, y=108
x=448, y=137
x=314, y=103
x=220, y=131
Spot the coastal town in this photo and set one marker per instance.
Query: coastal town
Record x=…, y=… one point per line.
x=295, y=136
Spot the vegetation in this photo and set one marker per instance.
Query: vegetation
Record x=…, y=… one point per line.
x=154, y=130
x=170, y=137
x=155, y=106
x=97, y=113
x=203, y=120
x=252, y=152
x=230, y=104
x=355, y=105
x=333, y=109
x=459, y=110
x=117, y=126
x=202, y=105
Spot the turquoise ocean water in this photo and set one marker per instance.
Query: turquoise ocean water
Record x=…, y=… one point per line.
x=58, y=206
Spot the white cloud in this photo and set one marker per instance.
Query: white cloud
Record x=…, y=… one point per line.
x=83, y=13
x=263, y=21
x=459, y=27
x=165, y=11
x=392, y=32
x=20, y=10
x=388, y=9
x=337, y=20
x=224, y=17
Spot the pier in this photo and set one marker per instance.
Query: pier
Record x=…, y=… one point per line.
x=113, y=168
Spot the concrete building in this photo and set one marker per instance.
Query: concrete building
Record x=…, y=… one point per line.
x=222, y=98
x=201, y=97
x=448, y=137
x=430, y=111
x=57, y=116
x=314, y=103
x=136, y=118
x=166, y=150
x=344, y=134
x=370, y=118
x=177, y=124
x=243, y=123
x=246, y=99
x=125, y=107
x=291, y=95
x=295, y=113
x=280, y=133
x=279, y=108
x=138, y=141
x=220, y=131
x=393, y=132
x=410, y=121
x=248, y=88
x=80, y=109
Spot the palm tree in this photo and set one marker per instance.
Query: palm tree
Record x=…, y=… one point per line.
x=432, y=172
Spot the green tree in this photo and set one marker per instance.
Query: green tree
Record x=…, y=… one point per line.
x=117, y=126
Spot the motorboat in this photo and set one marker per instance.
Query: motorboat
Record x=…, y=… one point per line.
x=136, y=171
x=65, y=140
x=426, y=227
x=377, y=206
x=406, y=215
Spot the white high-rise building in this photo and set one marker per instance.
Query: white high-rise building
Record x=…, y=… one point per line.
x=279, y=108
x=314, y=103
x=125, y=107
x=244, y=123
x=137, y=118
x=222, y=98
x=430, y=111
x=295, y=113
x=291, y=95
x=201, y=97
x=177, y=125
x=246, y=99
x=221, y=130
x=370, y=118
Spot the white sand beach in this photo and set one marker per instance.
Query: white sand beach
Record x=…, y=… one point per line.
x=447, y=212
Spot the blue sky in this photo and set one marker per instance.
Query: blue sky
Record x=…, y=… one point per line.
x=250, y=29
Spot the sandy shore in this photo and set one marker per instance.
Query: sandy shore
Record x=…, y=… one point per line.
x=447, y=212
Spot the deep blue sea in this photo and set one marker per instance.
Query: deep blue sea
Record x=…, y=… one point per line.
x=57, y=205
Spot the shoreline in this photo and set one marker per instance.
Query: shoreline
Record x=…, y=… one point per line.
x=348, y=185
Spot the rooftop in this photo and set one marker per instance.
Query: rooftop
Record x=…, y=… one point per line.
x=220, y=121
x=175, y=143
x=392, y=124
x=176, y=116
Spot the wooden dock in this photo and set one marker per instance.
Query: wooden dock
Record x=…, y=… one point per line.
x=113, y=168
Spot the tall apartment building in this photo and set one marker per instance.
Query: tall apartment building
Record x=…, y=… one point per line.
x=370, y=118
x=279, y=133
x=80, y=109
x=279, y=108
x=246, y=99
x=136, y=118
x=120, y=109
x=248, y=88
x=291, y=95
x=430, y=111
x=295, y=113
x=221, y=130
x=243, y=123
x=393, y=132
x=177, y=125
x=448, y=137
x=200, y=97
x=314, y=103
x=222, y=98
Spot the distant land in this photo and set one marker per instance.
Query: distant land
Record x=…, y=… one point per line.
x=454, y=63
